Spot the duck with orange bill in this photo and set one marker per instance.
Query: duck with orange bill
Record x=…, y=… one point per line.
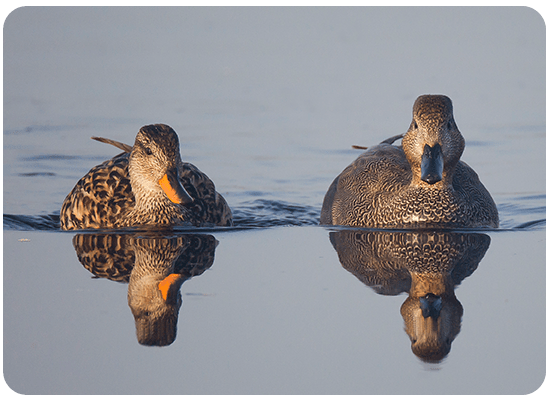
x=146, y=185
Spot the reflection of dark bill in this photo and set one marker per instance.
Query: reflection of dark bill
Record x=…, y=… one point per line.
x=154, y=267
x=428, y=266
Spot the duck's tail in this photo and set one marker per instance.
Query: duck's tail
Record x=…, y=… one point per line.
x=393, y=139
x=387, y=141
x=122, y=146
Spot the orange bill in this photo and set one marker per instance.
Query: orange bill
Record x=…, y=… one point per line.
x=173, y=189
x=167, y=283
x=169, y=190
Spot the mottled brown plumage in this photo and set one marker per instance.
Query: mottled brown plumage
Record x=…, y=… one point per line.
x=149, y=185
x=420, y=184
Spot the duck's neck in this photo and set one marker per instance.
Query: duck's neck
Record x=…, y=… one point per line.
x=152, y=205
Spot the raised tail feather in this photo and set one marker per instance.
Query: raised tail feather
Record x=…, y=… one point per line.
x=122, y=146
x=387, y=141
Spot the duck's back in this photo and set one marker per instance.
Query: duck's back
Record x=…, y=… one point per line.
x=101, y=198
x=355, y=194
x=209, y=205
x=376, y=191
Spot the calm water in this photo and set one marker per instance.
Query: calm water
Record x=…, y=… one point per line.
x=268, y=102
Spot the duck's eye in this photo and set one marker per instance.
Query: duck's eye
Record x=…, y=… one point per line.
x=415, y=125
x=148, y=151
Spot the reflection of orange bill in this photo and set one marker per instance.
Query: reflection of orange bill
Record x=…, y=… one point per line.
x=165, y=285
x=169, y=190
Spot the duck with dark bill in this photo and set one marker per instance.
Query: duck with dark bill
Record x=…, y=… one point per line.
x=420, y=184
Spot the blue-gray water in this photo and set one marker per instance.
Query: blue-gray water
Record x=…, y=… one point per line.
x=267, y=102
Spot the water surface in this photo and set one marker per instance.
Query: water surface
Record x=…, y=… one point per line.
x=268, y=102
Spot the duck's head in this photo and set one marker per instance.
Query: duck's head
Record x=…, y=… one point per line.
x=433, y=144
x=154, y=162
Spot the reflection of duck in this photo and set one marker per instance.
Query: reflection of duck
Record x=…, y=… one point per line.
x=148, y=184
x=422, y=183
x=427, y=265
x=155, y=268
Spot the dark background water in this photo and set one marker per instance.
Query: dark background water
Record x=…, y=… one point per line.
x=267, y=102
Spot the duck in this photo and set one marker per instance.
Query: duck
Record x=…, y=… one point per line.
x=421, y=183
x=146, y=185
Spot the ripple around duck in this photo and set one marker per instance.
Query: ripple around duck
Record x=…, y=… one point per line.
x=31, y=222
x=519, y=214
x=251, y=214
x=523, y=211
x=269, y=213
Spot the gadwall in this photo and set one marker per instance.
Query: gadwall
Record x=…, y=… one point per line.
x=148, y=184
x=420, y=184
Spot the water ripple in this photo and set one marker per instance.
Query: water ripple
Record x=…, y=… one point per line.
x=269, y=213
x=263, y=213
x=31, y=222
x=251, y=214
